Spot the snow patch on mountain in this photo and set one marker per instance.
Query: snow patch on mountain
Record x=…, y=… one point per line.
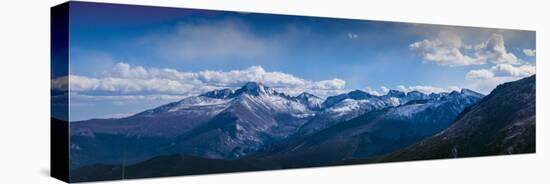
x=195, y=102
x=407, y=110
x=311, y=101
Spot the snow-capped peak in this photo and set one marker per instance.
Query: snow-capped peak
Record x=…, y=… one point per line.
x=396, y=93
x=311, y=101
x=255, y=89
x=253, y=86
x=471, y=93
x=355, y=95
x=359, y=95
x=415, y=93
x=305, y=95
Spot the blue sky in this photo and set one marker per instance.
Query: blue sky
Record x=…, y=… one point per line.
x=125, y=59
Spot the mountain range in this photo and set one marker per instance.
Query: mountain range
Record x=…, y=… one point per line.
x=256, y=127
x=502, y=123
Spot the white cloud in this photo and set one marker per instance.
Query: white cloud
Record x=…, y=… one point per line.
x=438, y=52
x=510, y=70
x=486, y=85
x=530, y=52
x=480, y=74
x=328, y=84
x=447, y=49
x=384, y=89
x=502, y=70
x=137, y=80
x=494, y=51
x=373, y=92
x=443, y=50
x=485, y=80
x=124, y=70
x=128, y=85
x=121, y=100
x=427, y=89
x=255, y=73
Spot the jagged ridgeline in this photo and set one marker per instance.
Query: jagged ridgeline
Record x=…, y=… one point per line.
x=256, y=127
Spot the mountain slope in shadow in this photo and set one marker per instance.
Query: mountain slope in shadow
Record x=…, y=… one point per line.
x=169, y=165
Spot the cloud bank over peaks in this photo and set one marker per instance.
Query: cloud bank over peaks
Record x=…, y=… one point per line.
x=124, y=79
x=125, y=83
